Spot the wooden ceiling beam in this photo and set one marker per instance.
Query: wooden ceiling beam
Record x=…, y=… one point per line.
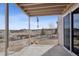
x=54, y=8
x=42, y=4
x=68, y=6
x=43, y=7
x=29, y=4
x=45, y=14
x=44, y=11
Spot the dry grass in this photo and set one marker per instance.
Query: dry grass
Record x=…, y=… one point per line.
x=20, y=44
x=46, y=42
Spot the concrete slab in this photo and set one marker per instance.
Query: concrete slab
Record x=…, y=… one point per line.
x=33, y=50
x=57, y=51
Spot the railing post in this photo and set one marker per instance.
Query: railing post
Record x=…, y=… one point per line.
x=6, y=29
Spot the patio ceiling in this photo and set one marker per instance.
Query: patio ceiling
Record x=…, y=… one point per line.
x=40, y=9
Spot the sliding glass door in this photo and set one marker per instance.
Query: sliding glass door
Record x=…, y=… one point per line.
x=76, y=31
x=67, y=31
x=71, y=26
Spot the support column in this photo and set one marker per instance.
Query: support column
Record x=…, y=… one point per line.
x=60, y=30
x=6, y=29
x=29, y=31
x=37, y=22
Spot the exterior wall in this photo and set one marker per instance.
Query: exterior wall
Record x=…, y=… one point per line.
x=76, y=5
x=60, y=30
x=60, y=27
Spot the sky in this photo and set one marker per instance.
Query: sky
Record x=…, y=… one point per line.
x=76, y=21
x=19, y=20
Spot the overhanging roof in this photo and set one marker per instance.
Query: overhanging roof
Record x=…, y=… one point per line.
x=40, y=9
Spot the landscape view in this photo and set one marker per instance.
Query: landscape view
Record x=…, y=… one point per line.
x=42, y=31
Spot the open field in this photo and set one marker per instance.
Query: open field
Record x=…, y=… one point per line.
x=18, y=45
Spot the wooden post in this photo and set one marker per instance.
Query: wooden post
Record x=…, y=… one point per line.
x=6, y=29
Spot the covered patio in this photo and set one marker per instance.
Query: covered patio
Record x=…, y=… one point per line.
x=38, y=9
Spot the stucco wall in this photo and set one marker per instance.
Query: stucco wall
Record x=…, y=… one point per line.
x=60, y=30
x=60, y=27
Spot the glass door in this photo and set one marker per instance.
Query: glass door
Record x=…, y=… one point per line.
x=75, y=31
x=67, y=31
